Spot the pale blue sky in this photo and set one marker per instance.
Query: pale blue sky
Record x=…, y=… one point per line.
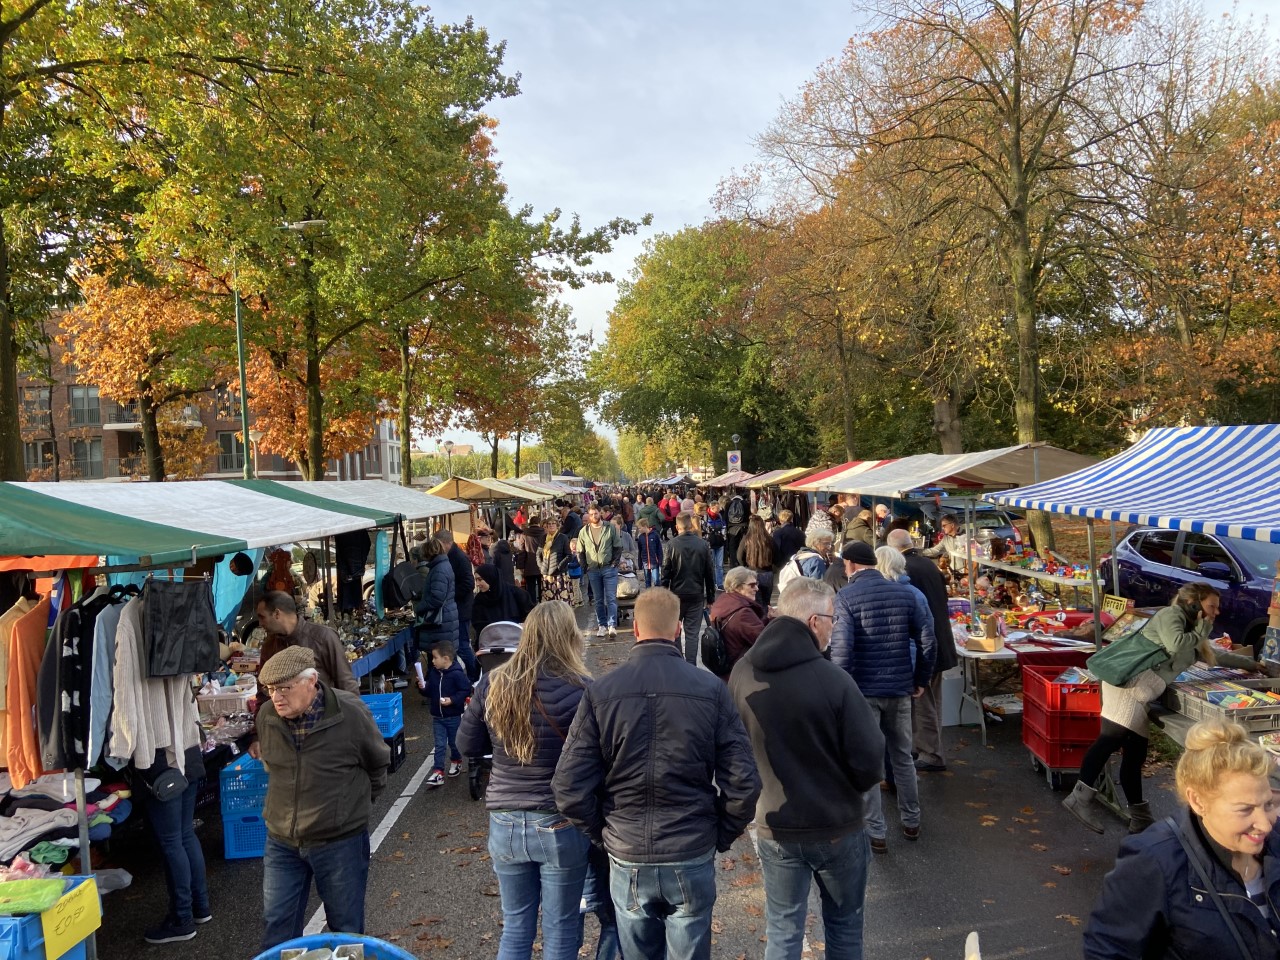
x=630, y=107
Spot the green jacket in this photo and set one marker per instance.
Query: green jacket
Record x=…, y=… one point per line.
x=324, y=790
x=1170, y=629
x=607, y=554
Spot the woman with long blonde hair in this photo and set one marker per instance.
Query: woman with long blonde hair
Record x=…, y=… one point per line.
x=521, y=713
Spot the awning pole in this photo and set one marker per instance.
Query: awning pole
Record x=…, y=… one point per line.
x=968, y=569
x=86, y=855
x=1093, y=584
x=328, y=594
x=1115, y=564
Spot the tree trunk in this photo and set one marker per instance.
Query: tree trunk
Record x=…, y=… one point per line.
x=12, y=464
x=946, y=419
x=313, y=469
x=406, y=384
x=519, y=438
x=493, y=456
x=151, y=449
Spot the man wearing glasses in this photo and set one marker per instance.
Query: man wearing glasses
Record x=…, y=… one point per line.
x=327, y=761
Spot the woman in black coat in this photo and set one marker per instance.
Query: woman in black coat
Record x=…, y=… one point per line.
x=496, y=600
x=437, y=608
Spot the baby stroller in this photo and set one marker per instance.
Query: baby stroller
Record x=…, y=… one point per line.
x=495, y=645
x=628, y=588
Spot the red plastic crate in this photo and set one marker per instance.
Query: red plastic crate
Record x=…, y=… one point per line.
x=1058, y=725
x=1038, y=688
x=1054, y=754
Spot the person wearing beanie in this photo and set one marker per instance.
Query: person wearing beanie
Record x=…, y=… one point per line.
x=879, y=638
x=327, y=761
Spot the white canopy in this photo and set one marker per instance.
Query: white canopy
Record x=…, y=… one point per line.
x=1006, y=466
x=381, y=495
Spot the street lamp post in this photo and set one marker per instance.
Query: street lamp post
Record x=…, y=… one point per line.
x=255, y=436
x=448, y=452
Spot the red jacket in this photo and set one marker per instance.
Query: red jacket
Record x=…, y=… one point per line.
x=739, y=621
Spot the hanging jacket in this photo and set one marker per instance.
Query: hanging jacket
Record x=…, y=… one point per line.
x=180, y=628
x=26, y=647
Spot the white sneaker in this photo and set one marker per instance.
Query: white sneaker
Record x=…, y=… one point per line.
x=600, y=632
x=613, y=633
x=455, y=767
x=436, y=779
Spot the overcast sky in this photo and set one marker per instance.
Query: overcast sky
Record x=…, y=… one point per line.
x=630, y=107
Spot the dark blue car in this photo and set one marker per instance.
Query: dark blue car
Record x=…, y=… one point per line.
x=1154, y=563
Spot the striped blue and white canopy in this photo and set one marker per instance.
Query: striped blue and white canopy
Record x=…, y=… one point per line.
x=1221, y=480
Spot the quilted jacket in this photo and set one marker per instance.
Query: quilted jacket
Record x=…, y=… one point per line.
x=877, y=624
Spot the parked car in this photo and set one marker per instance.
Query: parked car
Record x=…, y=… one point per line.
x=989, y=521
x=1153, y=563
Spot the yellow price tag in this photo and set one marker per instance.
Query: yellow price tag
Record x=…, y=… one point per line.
x=72, y=918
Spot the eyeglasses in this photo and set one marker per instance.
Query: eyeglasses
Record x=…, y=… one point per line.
x=274, y=688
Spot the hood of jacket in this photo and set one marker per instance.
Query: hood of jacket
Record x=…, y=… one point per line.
x=489, y=574
x=783, y=644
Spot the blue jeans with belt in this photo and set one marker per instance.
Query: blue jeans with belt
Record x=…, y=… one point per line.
x=840, y=869
x=604, y=586
x=172, y=822
x=664, y=909
x=341, y=872
x=539, y=857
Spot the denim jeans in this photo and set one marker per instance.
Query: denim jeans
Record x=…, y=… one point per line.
x=764, y=587
x=664, y=908
x=691, y=618
x=717, y=555
x=538, y=857
x=840, y=868
x=446, y=734
x=652, y=577
x=597, y=899
x=604, y=586
x=465, y=652
x=894, y=714
x=341, y=871
x=172, y=824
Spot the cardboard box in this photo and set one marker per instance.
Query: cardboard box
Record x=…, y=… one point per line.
x=984, y=644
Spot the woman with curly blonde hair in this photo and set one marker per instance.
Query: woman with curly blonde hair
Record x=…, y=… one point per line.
x=1206, y=883
x=521, y=713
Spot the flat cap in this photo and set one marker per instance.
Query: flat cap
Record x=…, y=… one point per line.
x=287, y=664
x=855, y=552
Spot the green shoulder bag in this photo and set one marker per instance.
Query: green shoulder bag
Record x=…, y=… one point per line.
x=1123, y=660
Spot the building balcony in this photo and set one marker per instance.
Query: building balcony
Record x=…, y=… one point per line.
x=123, y=416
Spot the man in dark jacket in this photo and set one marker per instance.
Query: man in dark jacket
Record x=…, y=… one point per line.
x=657, y=768
x=464, y=594
x=689, y=571
x=818, y=748
x=879, y=637
x=926, y=721
x=787, y=538
x=278, y=616
x=327, y=761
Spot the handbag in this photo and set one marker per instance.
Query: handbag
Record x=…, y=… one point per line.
x=1126, y=658
x=1193, y=855
x=403, y=583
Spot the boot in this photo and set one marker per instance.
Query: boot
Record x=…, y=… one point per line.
x=1140, y=816
x=1084, y=806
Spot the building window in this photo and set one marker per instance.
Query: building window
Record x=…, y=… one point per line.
x=225, y=404
x=86, y=456
x=85, y=409
x=230, y=452
x=393, y=461
x=38, y=455
x=36, y=410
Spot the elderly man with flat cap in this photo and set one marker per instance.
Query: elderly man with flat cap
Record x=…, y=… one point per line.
x=326, y=761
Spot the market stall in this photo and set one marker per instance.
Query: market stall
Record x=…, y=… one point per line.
x=733, y=478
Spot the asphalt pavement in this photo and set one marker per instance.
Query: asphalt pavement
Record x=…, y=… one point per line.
x=997, y=854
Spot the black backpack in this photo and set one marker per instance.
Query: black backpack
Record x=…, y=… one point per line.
x=735, y=514
x=404, y=582
x=715, y=656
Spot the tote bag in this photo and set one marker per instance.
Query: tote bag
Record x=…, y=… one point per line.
x=1125, y=659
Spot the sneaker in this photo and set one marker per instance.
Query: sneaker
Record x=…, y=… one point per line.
x=600, y=632
x=170, y=932
x=199, y=917
x=455, y=767
x=436, y=779
x=613, y=633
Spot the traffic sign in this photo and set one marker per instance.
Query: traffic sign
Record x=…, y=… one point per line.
x=735, y=459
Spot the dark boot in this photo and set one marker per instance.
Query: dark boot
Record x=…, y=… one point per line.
x=1140, y=816
x=1084, y=806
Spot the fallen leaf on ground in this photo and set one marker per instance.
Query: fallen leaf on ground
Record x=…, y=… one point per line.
x=1019, y=820
x=1049, y=883
x=988, y=820
x=489, y=891
x=425, y=921
x=748, y=858
x=1073, y=920
x=463, y=863
x=441, y=836
x=754, y=910
x=433, y=941
x=717, y=926
x=988, y=901
x=728, y=863
x=478, y=833
x=747, y=880
x=1065, y=871
x=405, y=835
x=1039, y=847
x=976, y=806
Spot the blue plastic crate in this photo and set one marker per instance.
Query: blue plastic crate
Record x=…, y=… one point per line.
x=243, y=836
x=387, y=710
x=243, y=777
x=22, y=938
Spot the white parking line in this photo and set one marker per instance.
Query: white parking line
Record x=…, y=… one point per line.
x=375, y=840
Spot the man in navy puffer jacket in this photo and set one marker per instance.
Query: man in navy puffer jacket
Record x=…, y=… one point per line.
x=879, y=637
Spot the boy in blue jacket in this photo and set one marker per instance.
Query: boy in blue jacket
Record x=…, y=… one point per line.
x=649, y=546
x=447, y=688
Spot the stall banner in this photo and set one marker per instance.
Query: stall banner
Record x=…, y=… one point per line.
x=381, y=567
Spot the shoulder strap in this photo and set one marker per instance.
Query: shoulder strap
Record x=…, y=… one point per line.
x=1188, y=845
x=537, y=702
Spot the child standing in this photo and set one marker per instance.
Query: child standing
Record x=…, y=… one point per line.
x=649, y=546
x=447, y=688
x=575, y=572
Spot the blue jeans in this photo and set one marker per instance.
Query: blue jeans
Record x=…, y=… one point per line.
x=664, y=909
x=341, y=871
x=604, y=586
x=597, y=899
x=894, y=714
x=464, y=649
x=840, y=868
x=538, y=857
x=717, y=555
x=652, y=577
x=446, y=734
x=172, y=823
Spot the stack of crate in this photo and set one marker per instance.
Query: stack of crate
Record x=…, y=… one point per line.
x=1059, y=720
x=388, y=714
x=243, y=789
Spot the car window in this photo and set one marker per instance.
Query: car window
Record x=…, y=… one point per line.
x=1157, y=545
x=990, y=520
x=1259, y=557
x=1198, y=548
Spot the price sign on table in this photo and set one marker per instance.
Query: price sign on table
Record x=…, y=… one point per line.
x=72, y=918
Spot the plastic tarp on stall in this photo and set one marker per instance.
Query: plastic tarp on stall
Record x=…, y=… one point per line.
x=376, y=495
x=479, y=490
x=775, y=478
x=734, y=478
x=1003, y=467
x=838, y=479
x=1218, y=480
x=806, y=483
